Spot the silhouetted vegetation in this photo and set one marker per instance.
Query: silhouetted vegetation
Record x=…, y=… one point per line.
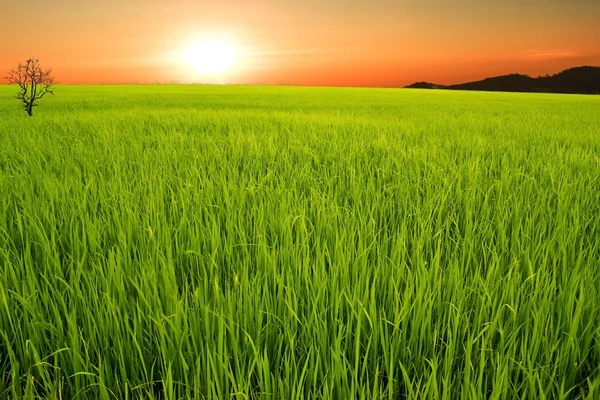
x=424, y=85
x=583, y=80
x=33, y=81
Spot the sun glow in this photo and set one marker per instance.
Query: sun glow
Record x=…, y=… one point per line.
x=212, y=57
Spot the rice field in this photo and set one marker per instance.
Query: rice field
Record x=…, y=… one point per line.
x=240, y=242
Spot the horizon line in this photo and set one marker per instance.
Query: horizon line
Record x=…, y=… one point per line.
x=177, y=82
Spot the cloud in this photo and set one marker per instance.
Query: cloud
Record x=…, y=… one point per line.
x=551, y=55
x=307, y=51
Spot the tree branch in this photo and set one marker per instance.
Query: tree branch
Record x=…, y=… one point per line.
x=34, y=82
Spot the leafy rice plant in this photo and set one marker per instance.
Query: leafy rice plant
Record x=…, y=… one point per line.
x=172, y=242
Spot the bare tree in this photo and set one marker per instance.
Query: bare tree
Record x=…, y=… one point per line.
x=33, y=81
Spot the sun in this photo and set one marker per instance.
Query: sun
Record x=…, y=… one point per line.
x=213, y=57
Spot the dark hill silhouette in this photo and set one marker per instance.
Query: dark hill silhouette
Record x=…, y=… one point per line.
x=424, y=85
x=584, y=80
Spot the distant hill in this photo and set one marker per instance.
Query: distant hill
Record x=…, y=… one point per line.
x=583, y=80
x=424, y=85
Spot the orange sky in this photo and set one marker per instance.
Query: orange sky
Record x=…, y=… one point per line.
x=302, y=42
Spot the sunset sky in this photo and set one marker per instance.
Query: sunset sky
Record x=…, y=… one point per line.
x=299, y=42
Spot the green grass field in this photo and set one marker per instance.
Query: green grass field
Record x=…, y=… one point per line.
x=208, y=242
